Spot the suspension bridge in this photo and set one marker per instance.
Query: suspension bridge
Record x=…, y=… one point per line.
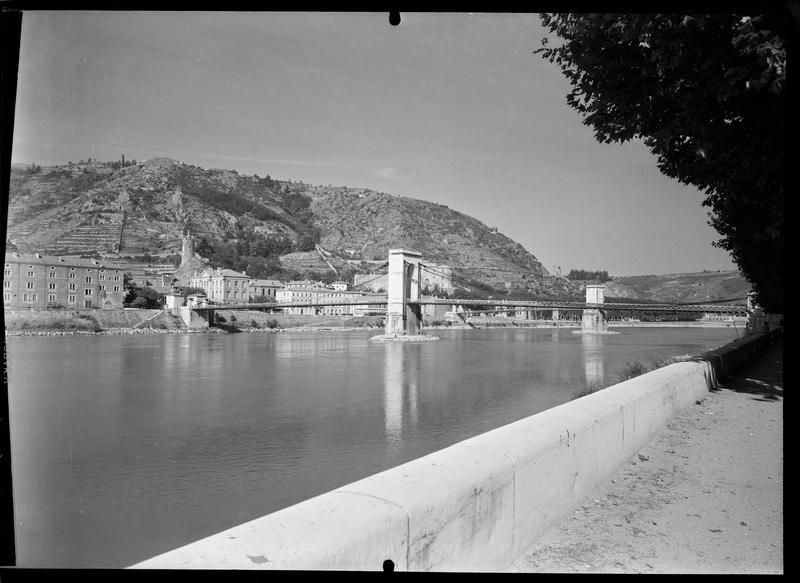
x=404, y=300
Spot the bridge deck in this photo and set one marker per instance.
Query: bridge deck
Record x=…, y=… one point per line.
x=500, y=304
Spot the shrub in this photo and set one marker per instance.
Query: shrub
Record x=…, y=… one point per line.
x=271, y=324
x=253, y=323
x=590, y=388
x=632, y=369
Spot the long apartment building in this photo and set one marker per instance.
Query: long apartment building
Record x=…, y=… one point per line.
x=44, y=281
x=317, y=293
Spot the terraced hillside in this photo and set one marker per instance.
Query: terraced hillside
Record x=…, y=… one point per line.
x=145, y=207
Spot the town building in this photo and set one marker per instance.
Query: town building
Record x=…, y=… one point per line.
x=159, y=277
x=308, y=292
x=223, y=286
x=264, y=289
x=44, y=281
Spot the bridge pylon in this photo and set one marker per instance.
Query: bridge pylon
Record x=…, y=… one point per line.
x=594, y=321
x=402, y=318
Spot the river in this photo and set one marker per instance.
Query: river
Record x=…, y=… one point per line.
x=124, y=447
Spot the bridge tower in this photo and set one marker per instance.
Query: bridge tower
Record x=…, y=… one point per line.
x=593, y=318
x=402, y=318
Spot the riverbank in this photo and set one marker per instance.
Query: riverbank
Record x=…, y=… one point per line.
x=136, y=321
x=133, y=321
x=705, y=496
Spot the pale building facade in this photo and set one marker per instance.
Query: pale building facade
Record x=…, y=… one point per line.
x=318, y=293
x=223, y=286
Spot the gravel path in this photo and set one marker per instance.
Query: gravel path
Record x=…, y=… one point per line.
x=705, y=496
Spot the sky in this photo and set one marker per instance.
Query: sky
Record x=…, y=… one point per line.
x=452, y=108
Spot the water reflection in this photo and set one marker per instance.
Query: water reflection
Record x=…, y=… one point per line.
x=128, y=446
x=400, y=386
x=592, y=345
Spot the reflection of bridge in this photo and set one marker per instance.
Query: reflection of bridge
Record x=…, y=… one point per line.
x=403, y=303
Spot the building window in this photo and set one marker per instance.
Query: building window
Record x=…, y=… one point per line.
x=52, y=286
x=51, y=298
x=72, y=276
x=116, y=278
x=72, y=287
x=102, y=287
x=116, y=288
x=89, y=279
x=87, y=291
x=7, y=296
x=29, y=285
x=52, y=274
x=30, y=273
x=6, y=284
x=71, y=299
x=102, y=278
x=7, y=272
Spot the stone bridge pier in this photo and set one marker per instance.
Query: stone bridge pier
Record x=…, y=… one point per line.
x=402, y=318
x=196, y=319
x=594, y=319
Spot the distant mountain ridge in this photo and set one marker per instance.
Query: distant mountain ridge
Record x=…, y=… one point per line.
x=681, y=287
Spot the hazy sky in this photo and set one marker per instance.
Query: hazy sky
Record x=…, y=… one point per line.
x=451, y=108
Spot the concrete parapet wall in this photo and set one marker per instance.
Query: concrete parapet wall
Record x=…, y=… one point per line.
x=476, y=505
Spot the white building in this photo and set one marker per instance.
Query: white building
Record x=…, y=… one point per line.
x=312, y=293
x=223, y=286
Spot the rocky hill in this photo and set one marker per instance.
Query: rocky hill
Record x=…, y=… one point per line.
x=118, y=209
x=364, y=224
x=112, y=209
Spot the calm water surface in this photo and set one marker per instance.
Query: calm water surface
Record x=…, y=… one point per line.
x=125, y=447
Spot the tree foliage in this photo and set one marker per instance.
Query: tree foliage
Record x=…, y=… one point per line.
x=586, y=274
x=705, y=93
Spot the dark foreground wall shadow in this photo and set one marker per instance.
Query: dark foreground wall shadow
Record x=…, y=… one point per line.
x=751, y=365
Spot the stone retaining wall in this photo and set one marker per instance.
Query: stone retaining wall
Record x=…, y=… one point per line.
x=476, y=505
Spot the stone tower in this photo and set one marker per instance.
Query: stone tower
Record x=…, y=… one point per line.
x=187, y=250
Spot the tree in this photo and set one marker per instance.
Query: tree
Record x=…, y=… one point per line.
x=129, y=287
x=705, y=93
